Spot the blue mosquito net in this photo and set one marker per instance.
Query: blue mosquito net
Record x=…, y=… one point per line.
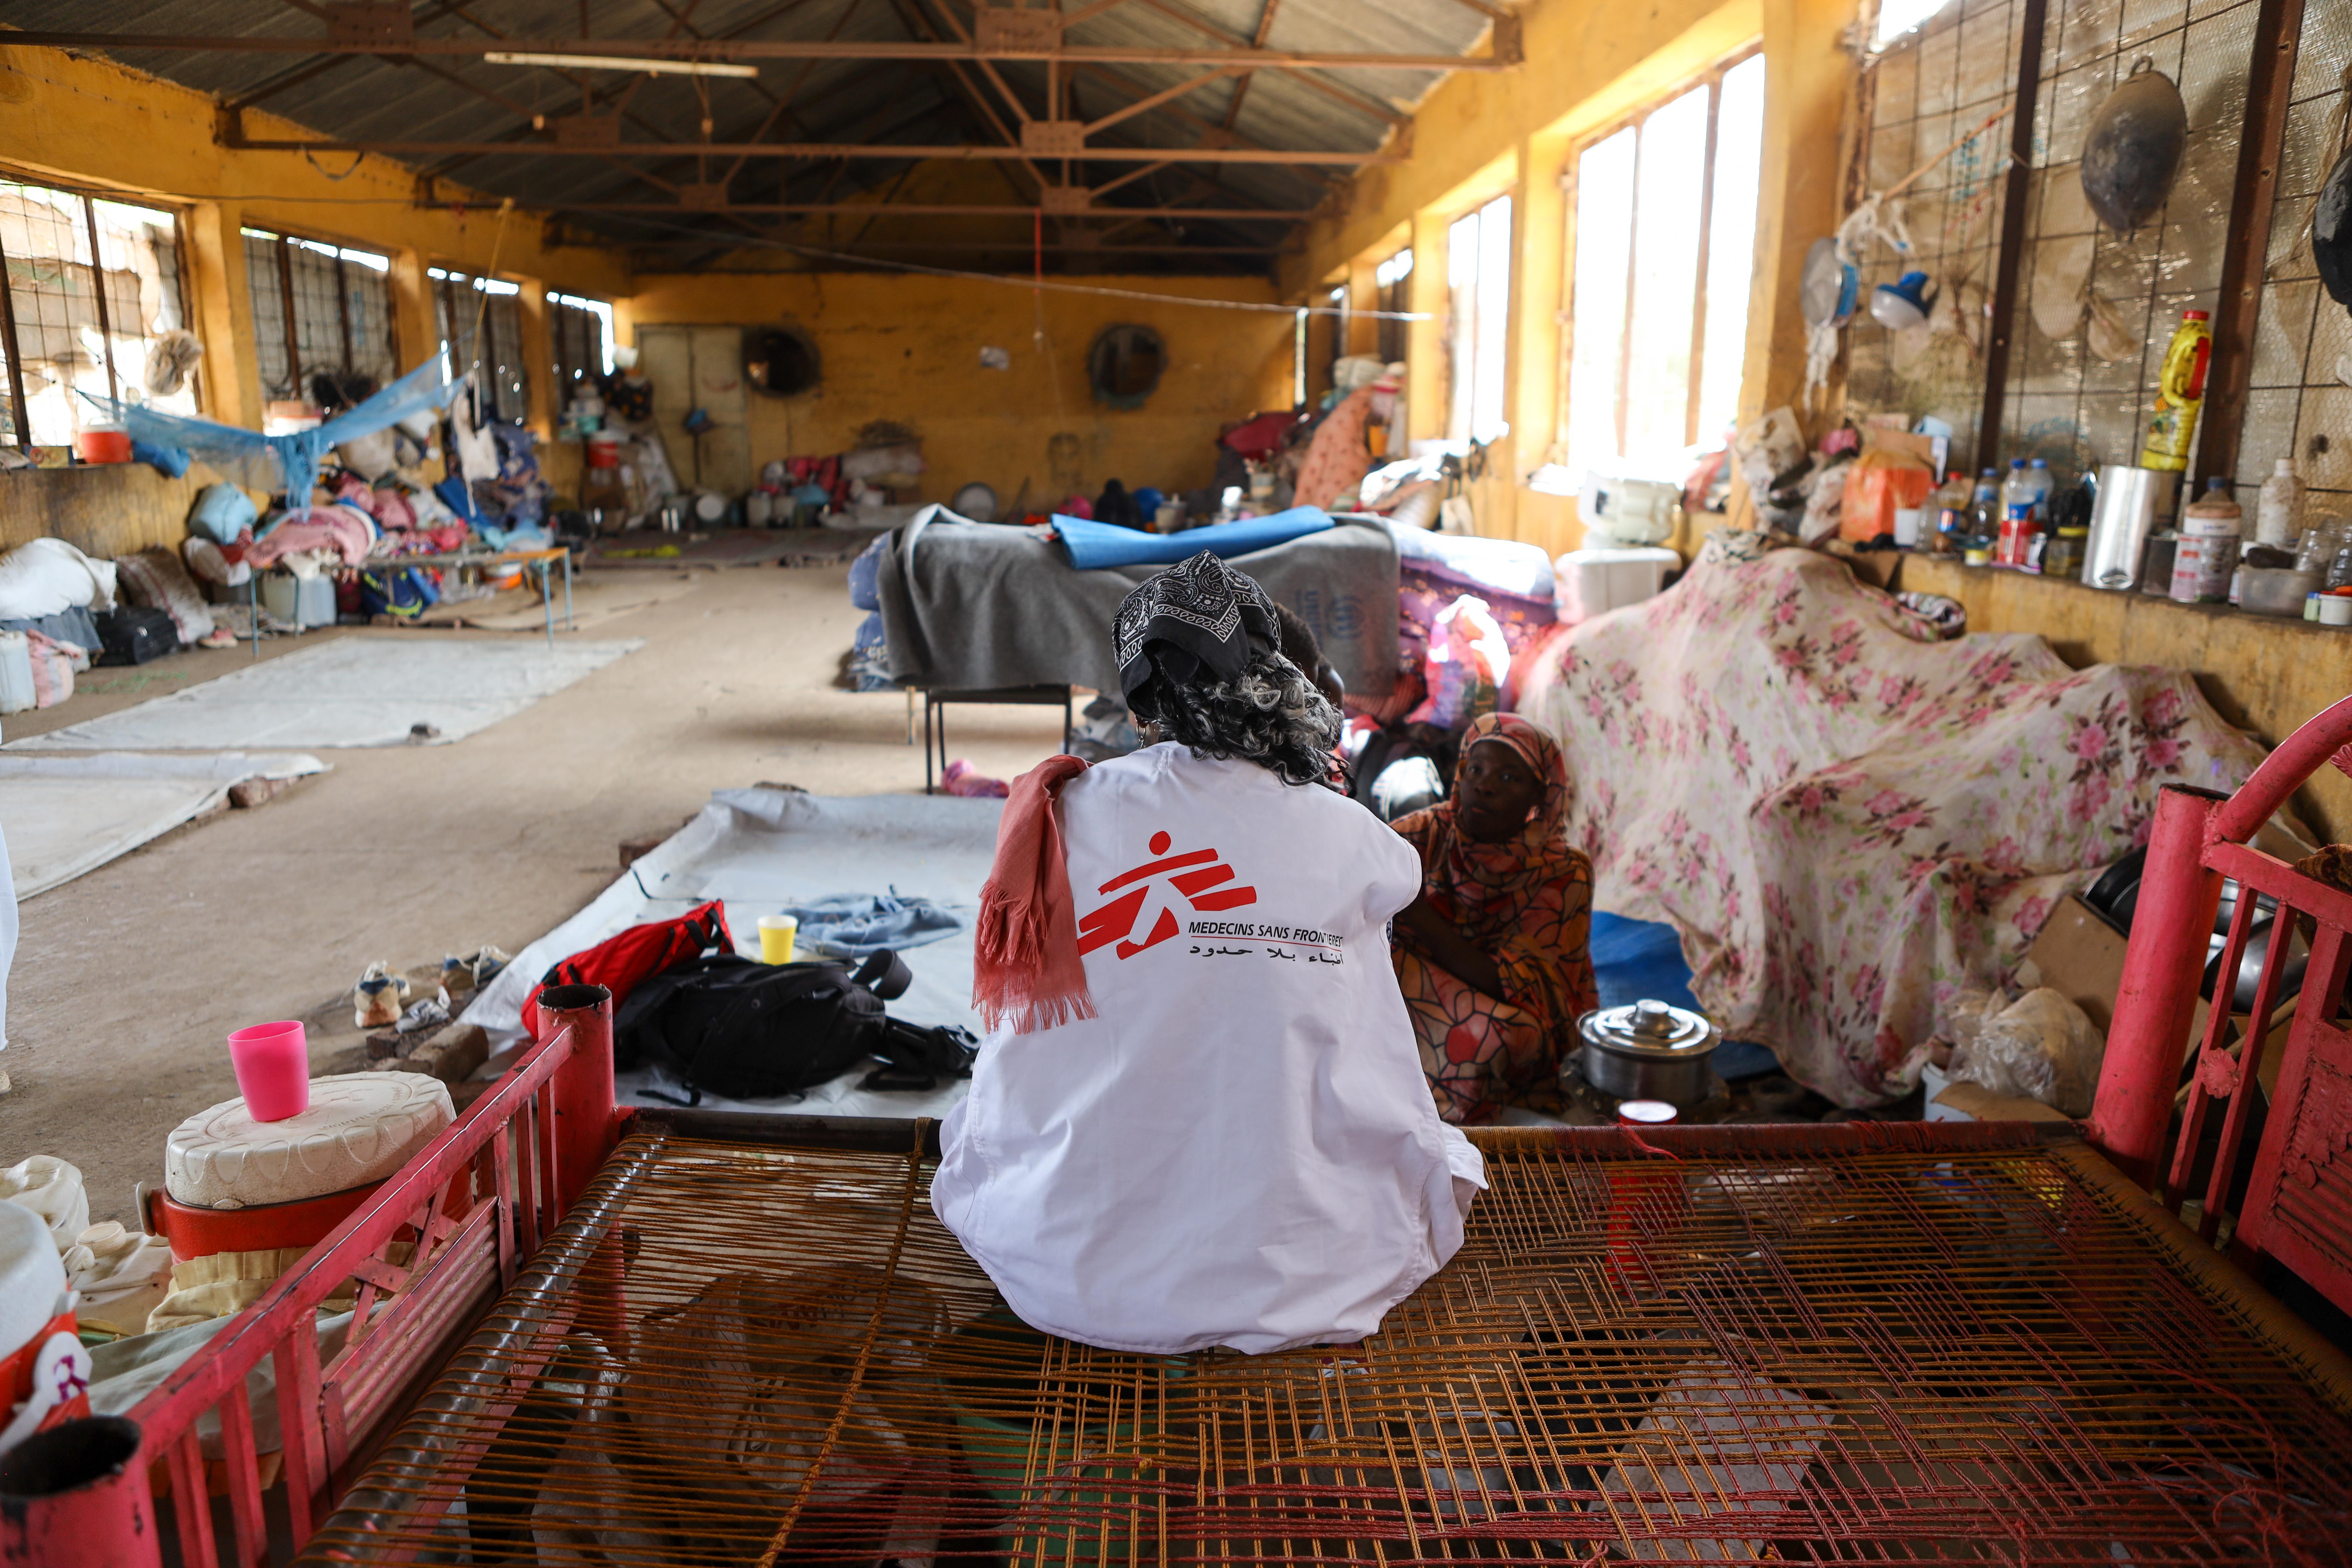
x=286, y=463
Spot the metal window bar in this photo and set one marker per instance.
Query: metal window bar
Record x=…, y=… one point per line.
x=290, y=317
x=264, y=270
x=98, y=298
x=509, y=391
x=20, y=430
x=1706, y=244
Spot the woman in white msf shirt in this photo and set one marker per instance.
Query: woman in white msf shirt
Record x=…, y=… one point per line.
x=1199, y=1118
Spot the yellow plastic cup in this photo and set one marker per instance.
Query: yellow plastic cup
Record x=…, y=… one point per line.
x=777, y=934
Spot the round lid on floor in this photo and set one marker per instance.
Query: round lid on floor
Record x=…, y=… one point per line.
x=32, y=1278
x=361, y=1128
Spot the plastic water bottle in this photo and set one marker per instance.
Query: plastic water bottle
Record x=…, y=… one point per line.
x=2017, y=525
x=2040, y=484
x=1984, y=527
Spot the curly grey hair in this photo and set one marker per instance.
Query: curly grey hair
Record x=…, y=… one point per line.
x=1270, y=714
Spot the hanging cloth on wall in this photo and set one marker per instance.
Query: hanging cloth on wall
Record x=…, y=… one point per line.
x=476, y=451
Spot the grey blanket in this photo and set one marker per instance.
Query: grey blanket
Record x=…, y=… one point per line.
x=980, y=605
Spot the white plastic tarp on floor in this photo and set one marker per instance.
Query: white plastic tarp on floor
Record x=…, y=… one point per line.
x=66, y=816
x=350, y=691
x=759, y=849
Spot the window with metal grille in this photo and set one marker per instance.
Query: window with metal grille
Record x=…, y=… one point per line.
x=460, y=302
x=1477, y=320
x=319, y=310
x=1661, y=250
x=580, y=331
x=1389, y=278
x=92, y=284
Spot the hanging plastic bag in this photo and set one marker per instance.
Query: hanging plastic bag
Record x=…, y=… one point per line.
x=1883, y=481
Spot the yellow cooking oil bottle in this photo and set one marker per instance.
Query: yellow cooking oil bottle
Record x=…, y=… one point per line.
x=2179, y=393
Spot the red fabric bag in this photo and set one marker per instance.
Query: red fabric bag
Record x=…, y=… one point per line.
x=620, y=964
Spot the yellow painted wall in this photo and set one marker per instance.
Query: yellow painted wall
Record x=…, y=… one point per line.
x=907, y=348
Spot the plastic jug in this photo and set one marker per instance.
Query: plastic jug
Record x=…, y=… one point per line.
x=2278, y=515
x=2179, y=393
x=15, y=673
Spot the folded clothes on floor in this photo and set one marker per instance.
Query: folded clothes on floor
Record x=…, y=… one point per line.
x=852, y=925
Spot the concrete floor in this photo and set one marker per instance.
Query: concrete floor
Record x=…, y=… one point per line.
x=127, y=981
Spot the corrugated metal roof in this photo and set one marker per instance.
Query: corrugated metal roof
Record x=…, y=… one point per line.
x=870, y=102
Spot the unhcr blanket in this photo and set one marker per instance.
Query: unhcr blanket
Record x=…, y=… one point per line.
x=1848, y=822
x=968, y=605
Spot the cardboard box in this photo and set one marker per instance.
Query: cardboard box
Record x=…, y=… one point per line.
x=1974, y=1102
x=2081, y=956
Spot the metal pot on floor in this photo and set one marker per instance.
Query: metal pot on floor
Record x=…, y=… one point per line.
x=1648, y=1050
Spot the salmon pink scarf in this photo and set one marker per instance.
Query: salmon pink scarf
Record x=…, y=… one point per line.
x=1025, y=967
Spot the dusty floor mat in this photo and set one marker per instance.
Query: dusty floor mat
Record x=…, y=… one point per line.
x=67, y=816
x=359, y=690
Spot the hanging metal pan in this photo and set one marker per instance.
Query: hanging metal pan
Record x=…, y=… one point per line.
x=2133, y=152
x=2331, y=231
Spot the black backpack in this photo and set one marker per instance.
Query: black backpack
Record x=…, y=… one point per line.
x=725, y=1025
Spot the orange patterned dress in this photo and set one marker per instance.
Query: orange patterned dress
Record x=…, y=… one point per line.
x=1529, y=903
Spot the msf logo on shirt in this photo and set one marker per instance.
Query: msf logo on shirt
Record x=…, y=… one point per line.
x=1152, y=889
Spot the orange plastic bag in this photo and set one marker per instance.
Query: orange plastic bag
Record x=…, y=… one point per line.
x=1881, y=483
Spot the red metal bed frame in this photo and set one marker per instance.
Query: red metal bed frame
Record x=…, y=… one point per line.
x=2297, y=1208
x=477, y=1201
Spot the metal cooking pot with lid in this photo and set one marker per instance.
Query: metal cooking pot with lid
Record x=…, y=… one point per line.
x=1650, y=1050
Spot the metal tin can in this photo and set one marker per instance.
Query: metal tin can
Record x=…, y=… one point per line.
x=1650, y=1050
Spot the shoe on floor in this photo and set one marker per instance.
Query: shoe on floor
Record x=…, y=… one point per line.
x=380, y=995
x=465, y=972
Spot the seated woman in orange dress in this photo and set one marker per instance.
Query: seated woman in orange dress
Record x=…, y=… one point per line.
x=1494, y=957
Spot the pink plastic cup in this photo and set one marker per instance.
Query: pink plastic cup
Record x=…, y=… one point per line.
x=273, y=1069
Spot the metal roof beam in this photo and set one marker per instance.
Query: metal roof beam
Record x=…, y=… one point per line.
x=758, y=49
x=922, y=209
x=1278, y=156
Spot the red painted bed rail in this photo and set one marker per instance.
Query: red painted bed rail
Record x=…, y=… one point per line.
x=2296, y=1205
x=513, y=1162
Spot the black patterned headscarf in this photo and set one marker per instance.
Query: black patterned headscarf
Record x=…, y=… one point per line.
x=1198, y=619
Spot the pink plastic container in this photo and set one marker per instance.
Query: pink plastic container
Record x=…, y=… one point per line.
x=273, y=1069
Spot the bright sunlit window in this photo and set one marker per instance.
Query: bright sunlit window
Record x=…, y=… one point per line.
x=1658, y=304
x=1477, y=320
x=1896, y=18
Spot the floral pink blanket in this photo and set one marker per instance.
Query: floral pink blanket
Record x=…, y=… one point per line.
x=1848, y=823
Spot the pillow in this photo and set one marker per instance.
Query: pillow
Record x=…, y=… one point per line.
x=155, y=580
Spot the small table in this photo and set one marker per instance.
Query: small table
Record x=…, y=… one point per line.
x=935, y=719
x=544, y=559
